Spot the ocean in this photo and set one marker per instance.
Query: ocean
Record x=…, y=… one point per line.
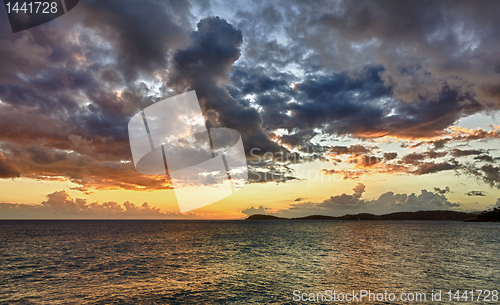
x=245, y=262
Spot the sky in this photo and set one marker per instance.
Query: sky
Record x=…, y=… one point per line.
x=343, y=106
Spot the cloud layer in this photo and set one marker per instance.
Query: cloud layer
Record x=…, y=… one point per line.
x=291, y=77
x=61, y=205
x=353, y=203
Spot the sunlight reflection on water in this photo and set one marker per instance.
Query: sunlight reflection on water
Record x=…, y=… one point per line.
x=238, y=261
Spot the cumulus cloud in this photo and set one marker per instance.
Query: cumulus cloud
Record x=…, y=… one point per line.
x=60, y=205
x=251, y=211
x=359, y=189
x=385, y=203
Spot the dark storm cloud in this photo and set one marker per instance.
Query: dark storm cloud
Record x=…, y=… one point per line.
x=431, y=64
x=362, y=105
x=142, y=33
x=421, y=45
x=363, y=69
x=272, y=92
x=300, y=139
x=69, y=87
x=428, y=65
x=259, y=80
x=334, y=103
x=204, y=67
x=365, y=115
x=43, y=155
x=77, y=101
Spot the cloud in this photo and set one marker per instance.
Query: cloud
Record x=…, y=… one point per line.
x=346, y=174
x=487, y=173
x=425, y=85
x=351, y=150
x=476, y=193
x=429, y=168
x=345, y=201
x=485, y=158
x=442, y=191
x=390, y=156
x=282, y=74
x=61, y=202
x=7, y=170
x=42, y=155
x=204, y=66
x=141, y=36
x=415, y=158
x=359, y=189
x=82, y=80
x=491, y=175
x=81, y=144
x=468, y=152
x=252, y=211
x=412, y=202
x=59, y=205
x=433, y=45
x=461, y=134
x=385, y=203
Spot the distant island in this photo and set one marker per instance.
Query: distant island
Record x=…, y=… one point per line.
x=486, y=216
x=489, y=216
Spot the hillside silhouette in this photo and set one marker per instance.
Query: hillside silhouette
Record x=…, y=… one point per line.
x=420, y=215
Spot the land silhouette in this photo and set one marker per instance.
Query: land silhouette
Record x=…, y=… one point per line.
x=486, y=216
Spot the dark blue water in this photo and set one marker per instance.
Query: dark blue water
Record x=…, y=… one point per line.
x=210, y=262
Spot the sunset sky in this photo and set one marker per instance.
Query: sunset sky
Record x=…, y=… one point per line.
x=343, y=106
